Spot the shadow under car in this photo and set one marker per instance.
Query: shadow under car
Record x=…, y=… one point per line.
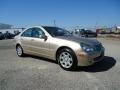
x=104, y=65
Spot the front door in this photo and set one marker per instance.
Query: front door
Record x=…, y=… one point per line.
x=39, y=44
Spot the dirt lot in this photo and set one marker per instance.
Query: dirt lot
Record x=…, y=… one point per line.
x=34, y=73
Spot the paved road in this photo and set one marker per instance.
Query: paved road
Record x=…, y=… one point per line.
x=34, y=73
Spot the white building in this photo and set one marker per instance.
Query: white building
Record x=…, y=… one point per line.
x=11, y=30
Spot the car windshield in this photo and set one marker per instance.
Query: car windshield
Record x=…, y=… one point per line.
x=55, y=31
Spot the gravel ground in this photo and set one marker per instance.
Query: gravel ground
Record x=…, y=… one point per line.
x=35, y=73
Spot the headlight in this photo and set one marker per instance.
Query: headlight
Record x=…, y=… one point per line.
x=86, y=47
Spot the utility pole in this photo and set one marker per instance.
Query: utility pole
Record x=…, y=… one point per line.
x=96, y=25
x=54, y=22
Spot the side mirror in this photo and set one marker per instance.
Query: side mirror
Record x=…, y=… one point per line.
x=45, y=37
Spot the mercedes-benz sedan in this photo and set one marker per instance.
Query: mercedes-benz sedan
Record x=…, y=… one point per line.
x=58, y=44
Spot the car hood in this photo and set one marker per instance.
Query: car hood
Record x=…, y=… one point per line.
x=79, y=39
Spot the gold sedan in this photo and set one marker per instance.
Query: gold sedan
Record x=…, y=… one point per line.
x=58, y=44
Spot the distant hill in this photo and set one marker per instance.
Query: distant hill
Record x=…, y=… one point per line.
x=5, y=26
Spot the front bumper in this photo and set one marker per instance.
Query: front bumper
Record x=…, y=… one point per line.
x=87, y=59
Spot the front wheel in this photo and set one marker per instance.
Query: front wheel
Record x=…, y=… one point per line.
x=67, y=59
x=19, y=51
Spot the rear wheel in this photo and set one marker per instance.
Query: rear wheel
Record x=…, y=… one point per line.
x=67, y=59
x=19, y=51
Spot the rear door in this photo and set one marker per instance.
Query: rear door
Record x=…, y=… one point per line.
x=26, y=39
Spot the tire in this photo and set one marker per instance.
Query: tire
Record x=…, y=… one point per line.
x=67, y=59
x=86, y=35
x=19, y=51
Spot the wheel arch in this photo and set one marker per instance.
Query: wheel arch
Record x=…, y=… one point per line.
x=17, y=45
x=63, y=47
